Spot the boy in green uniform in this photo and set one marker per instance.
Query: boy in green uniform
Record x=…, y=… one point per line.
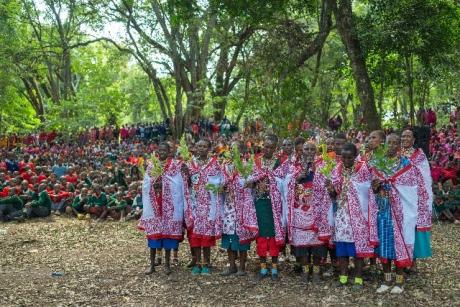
x=78, y=205
x=97, y=204
x=117, y=207
x=40, y=207
x=136, y=207
x=11, y=207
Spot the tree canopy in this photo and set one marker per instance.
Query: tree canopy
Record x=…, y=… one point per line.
x=72, y=64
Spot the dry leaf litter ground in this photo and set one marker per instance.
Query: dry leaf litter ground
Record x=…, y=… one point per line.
x=103, y=264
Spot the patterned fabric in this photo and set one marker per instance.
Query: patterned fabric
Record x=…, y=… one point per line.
x=301, y=230
x=418, y=158
x=285, y=177
x=204, y=217
x=408, y=200
x=343, y=231
x=229, y=218
x=322, y=204
x=265, y=181
x=356, y=213
x=163, y=213
x=239, y=211
x=386, y=248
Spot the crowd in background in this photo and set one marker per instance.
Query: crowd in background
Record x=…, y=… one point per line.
x=46, y=169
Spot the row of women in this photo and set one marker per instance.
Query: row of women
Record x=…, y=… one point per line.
x=354, y=205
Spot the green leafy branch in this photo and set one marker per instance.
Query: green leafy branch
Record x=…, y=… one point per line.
x=183, y=150
x=330, y=163
x=244, y=169
x=381, y=161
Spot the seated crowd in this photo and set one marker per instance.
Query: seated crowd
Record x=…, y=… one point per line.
x=101, y=177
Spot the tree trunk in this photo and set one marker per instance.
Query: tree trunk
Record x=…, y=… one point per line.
x=66, y=74
x=425, y=90
x=156, y=87
x=246, y=100
x=179, y=114
x=382, y=84
x=34, y=97
x=410, y=87
x=395, y=108
x=344, y=19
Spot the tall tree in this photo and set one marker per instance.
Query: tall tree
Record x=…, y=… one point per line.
x=346, y=27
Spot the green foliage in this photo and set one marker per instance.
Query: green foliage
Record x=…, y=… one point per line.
x=156, y=168
x=184, y=153
x=407, y=44
x=381, y=161
x=214, y=188
x=329, y=163
x=244, y=169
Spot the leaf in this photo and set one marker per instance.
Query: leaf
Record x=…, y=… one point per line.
x=329, y=162
x=156, y=168
x=244, y=169
x=184, y=153
x=381, y=161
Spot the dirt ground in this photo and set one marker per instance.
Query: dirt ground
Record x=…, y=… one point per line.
x=103, y=264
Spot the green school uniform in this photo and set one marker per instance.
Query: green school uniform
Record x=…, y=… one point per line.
x=100, y=201
x=14, y=201
x=118, y=205
x=44, y=200
x=78, y=203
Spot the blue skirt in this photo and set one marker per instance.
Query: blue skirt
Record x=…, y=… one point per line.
x=163, y=243
x=232, y=242
x=345, y=249
x=422, y=245
x=386, y=248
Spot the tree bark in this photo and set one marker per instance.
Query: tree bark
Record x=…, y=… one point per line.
x=410, y=87
x=345, y=25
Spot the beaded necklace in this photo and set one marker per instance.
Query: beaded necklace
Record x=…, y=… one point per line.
x=407, y=152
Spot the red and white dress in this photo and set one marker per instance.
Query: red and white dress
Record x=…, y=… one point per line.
x=204, y=215
x=355, y=220
x=409, y=209
x=302, y=231
x=163, y=212
x=239, y=212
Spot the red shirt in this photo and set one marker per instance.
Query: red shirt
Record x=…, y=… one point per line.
x=57, y=197
x=450, y=173
x=27, y=176
x=23, y=164
x=71, y=178
x=41, y=178
x=5, y=192
x=436, y=173
x=51, y=136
